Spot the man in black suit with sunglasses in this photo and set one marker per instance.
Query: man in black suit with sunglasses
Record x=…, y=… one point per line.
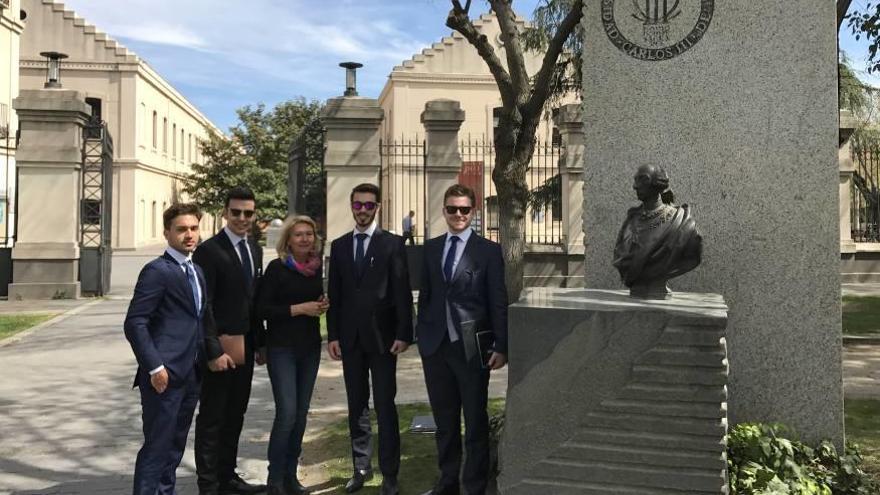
x=462, y=331
x=369, y=323
x=233, y=263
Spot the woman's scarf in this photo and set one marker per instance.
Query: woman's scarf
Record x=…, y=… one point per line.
x=309, y=268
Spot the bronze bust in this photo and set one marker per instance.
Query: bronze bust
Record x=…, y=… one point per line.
x=658, y=240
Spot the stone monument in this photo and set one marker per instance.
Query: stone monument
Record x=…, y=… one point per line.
x=721, y=94
x=631, y=387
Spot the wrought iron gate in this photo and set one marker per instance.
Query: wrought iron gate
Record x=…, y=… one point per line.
x=95, y=209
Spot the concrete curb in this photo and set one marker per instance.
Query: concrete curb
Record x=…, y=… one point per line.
x=873, y=339
x=63, y=316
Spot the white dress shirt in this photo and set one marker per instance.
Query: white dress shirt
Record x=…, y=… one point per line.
x=463, y=237
x=182, y=260
x=370, y=231
x=235, y=238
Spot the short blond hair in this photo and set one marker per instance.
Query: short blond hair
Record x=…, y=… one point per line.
x=287, y=230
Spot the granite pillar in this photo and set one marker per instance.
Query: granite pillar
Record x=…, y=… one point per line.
x=45, y=258
x=724, y=99
x=351, y=156
x=442, y=120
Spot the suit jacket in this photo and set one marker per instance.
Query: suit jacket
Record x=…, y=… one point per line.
x=476, y=294
x=231, y=299
x=162, y=324
x=375, y=307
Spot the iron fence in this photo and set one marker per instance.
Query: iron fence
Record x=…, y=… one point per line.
x=404, y=188
x=543, y=222
x=865, y=204
x=403, y=185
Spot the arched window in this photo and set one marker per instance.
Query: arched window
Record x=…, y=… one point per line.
x=165, y=135
x=174, y=140
x=155, y=130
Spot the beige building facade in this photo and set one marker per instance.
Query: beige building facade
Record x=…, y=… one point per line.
x=11, y=28
x=156, y=131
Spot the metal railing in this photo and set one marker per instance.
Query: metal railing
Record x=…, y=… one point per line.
x=543, y=222
x=403, y=185
x=404, y=188
x=865, y=194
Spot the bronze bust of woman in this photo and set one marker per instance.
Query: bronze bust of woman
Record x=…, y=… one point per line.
x=658, y=240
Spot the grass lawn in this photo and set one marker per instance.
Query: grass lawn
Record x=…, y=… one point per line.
x=861, y=315
x=863, y=428
x=12, y=324
x=418, y=457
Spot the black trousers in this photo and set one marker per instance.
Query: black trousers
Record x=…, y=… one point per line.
x=358, y=367
x=455, y=386
x=223, y=403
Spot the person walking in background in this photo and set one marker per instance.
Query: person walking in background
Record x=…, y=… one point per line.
x=232, y=263
x=409, y=228
x=291, y=300
x=369, y=323
x=164, y=326
x=462, y=332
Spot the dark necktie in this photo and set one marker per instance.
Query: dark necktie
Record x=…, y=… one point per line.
x=193, y=283
x=449, y=264
x=359, y=252
x=246, y=262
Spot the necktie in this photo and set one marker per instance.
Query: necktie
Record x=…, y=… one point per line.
x=246, y=262
x=449, y=264
x=359, y=252
x=193, y=283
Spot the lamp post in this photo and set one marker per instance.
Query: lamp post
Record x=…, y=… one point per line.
x=53, y=68
x=351, y=77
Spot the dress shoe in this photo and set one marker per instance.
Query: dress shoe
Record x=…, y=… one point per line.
x=443, y=489
x=358, y=479
x=292, y=486
x=389, y=486
x=237, y=486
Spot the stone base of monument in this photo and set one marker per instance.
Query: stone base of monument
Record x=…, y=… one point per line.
x=610, y=394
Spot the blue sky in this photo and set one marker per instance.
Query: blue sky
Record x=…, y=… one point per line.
x=224, y=54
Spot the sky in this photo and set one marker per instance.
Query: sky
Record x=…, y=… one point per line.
x=225, y=54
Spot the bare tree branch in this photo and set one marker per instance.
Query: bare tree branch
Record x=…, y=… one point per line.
x=512, y=47
x=542, y=80
x=459, y=21
x=842, y=8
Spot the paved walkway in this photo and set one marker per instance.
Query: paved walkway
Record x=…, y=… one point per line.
x=70, y=422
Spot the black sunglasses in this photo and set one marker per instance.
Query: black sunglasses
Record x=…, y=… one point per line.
x=464, y=210
x=369, y=205
x=235, y=212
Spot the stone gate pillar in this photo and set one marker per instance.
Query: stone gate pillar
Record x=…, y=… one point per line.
x=46, y=254
x=570, y=122
x=442, y=120
x=352, y=155
x=845, y=163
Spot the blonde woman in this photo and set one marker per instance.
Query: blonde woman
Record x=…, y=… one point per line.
x=291, y=300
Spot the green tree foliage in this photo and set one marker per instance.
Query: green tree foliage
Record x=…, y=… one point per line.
x=852, y=93
x=256, y=155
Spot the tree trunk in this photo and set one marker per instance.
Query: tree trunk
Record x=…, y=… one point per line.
x=513, y=154
x=512, y=197
x=842, y=7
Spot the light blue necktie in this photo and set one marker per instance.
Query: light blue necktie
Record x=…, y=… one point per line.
x=193, y=283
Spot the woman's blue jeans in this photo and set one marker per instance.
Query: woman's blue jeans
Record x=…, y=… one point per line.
x=293, y=380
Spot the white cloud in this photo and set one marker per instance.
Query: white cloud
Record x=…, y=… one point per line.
x=160, y=33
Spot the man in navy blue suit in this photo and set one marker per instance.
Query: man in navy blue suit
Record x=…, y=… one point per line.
x=164, y=327
x=462, y=334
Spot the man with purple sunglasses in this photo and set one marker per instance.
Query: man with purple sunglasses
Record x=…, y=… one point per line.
x=369, y=323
